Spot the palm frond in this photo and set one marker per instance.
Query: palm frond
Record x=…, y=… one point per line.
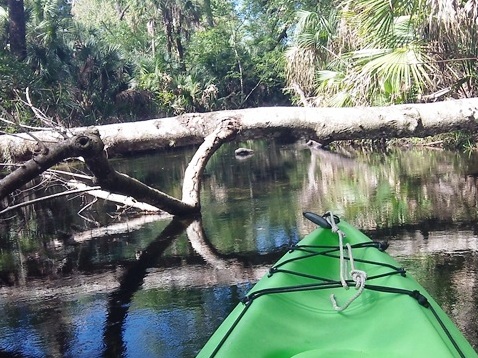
x=313, y=30
x=384, y=20
x=403, y=69
x=3, y=14
x=341, y=99
x=300, y=68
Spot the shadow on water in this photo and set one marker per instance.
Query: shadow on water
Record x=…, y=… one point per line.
x=131, y=281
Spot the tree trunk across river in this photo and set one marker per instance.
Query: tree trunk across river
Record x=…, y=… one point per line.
x=320, y=124
x=213, y=129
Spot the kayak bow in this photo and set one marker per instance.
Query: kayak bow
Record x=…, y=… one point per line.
x=337, y=294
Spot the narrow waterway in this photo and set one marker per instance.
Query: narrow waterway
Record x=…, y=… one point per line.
x=94, y=284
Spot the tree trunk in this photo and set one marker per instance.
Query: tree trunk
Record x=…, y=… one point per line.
x=17, y=29
x=320, y=124
x=89, y=146
x=213, y=129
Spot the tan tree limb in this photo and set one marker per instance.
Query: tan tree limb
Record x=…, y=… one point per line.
x=74, y=175
x=123, y=200
x=226, y=130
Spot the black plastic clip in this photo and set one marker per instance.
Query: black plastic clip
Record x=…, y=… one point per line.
x=272, y=271
x=320, y=220
x=383, y=245
x=422, y=300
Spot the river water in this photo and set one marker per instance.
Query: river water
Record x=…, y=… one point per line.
x=97, y=283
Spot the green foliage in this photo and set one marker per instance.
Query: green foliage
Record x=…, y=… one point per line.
x=72, y=74
x=13, y=75
x=93, y=61
x=459, y=140
x=97, y=61
x=379, y=52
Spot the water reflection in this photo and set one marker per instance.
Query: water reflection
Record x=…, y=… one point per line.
x=445, y=263
x=158, y=289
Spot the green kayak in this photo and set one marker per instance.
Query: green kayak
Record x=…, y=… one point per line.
x=337, y=294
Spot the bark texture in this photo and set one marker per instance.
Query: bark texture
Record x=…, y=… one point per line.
x=213, y=129
x=17, y=30
x=89, y=146
x=320, y=124
x=43, y=159
x=225, y=131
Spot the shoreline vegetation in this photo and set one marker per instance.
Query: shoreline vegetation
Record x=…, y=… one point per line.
x=94, y=62
x=458, y=140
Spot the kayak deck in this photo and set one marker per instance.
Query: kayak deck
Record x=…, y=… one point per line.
x=290, y=312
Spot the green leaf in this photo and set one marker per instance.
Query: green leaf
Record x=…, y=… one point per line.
x=387, y=86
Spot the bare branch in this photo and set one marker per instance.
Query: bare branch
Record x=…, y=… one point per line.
x=301, y=94
x=57, y=195
x=42, y=117
x=87, y=206
x=12, y=121
x=22, y=125
x=224, y=132
x=127, y=201
x=71, y=147
x=75, y=175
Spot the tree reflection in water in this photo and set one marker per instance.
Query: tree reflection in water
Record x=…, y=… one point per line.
x=63, y=282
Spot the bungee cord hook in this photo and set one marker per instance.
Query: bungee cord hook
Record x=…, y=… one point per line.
x=358, y=276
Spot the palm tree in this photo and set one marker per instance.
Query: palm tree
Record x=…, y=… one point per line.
x=179, y=18
x=382, y=51
x=312, y=49
x=17, y=29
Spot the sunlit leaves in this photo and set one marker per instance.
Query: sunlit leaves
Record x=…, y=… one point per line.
x=314, y=30
x=378, y=17
x=387, y=51
x=312, y=48
x=401, y=72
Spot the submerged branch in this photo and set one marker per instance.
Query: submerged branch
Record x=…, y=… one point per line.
x=111, y=180
x=57, y=195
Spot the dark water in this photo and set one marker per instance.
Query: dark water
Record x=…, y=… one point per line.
x=149, y=288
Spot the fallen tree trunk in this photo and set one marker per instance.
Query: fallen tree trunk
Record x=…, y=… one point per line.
x=320, y=124
x=213, y=129
x=89, y=145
